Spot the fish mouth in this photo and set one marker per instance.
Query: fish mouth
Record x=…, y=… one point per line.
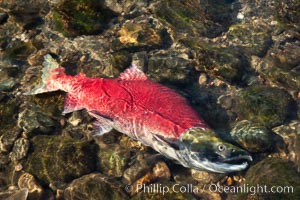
x=219, y=164
x=218, y=167
x=237, y=159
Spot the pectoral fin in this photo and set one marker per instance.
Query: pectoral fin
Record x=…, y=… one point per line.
x=102, y=125
x=71, y=105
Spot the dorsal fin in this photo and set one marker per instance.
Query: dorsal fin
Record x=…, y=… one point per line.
x=133, y=73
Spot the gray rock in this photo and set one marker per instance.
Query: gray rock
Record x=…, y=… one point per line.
x=33, y=121
x=7, y=139
x=252, y=136
x=7, y=85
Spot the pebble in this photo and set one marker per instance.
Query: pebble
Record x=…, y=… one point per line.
x=35, y=190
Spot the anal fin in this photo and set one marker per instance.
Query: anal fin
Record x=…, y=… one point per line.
x=102, y=125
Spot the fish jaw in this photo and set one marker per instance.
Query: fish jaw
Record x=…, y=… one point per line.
x=201, y=149
x=190, y=160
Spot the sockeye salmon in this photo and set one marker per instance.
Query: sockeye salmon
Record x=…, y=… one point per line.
x=146, y=111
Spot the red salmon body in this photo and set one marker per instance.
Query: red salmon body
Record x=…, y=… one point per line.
x=132, y=103
x=149, y=112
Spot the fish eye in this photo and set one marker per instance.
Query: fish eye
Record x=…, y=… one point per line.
x=221, y=147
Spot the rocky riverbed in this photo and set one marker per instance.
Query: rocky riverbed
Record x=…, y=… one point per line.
x=236, y=61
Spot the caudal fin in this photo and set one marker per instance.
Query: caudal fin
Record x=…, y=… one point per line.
x=50, y=67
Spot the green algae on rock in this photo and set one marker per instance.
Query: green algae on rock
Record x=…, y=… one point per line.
x=57, y=160
x=273, y=172
x=204, y=18
x=256, y=41
x=266, y=105
x=81, y=17
x=94, y=186
x=252, y=136
x=283, y=77
x=8, y=108
x=113, y=160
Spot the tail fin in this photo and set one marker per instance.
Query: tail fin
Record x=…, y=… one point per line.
x=50, y=67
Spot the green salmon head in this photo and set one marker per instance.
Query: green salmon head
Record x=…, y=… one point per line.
x=202, y=149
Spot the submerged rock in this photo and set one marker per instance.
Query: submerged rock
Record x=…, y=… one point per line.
x=131, y=8
x=113, y=159
x=252, y=136
x=7, y=85
x=7, y=138
x=268, y=106
x=21, y=194
x=27, y=14
x=280, y=64
x=20, y=149
x=87, y=17
x=226, y=63
x=273, y=172
x=137, y=170
x=197, y=18
x=33, y=121
x=291, y=136
x=142, y=34
x=94, y=186
x=159, y=173
x=204, y=177
x=171, y=66
x=256, y=41
x=8, y=110
x=27, y=181
x=57, y=160
x=286, y=50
